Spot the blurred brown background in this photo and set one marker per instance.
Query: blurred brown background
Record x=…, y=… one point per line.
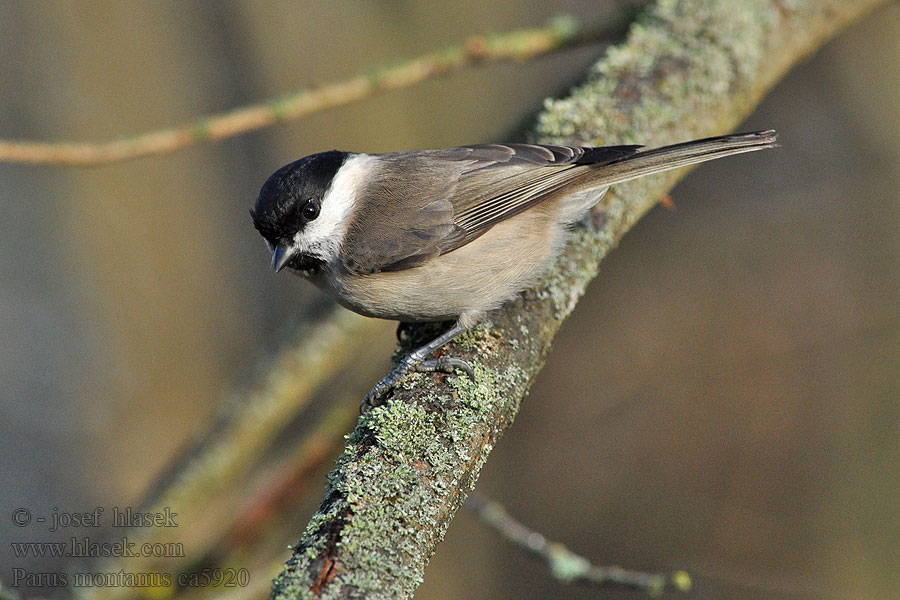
x=725, y=400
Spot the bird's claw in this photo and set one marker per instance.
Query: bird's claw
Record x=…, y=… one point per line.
x=444, y=364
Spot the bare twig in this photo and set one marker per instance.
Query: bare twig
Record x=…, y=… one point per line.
x=565, y=565
x=692, y=68
x=521, y=45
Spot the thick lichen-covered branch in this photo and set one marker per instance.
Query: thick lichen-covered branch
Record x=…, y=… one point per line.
x=688, y=69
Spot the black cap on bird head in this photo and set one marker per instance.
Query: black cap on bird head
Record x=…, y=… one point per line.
x=292, y=196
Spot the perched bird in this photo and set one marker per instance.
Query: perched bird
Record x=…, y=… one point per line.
x=434, y=235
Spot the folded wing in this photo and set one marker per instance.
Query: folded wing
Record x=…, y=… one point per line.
x=459, y=194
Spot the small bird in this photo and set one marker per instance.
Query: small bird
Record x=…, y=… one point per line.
x=436, y=235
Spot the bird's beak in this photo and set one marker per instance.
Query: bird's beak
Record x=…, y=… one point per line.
x=280, y=257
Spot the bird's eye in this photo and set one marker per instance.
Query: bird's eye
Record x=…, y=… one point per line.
x=311, y=210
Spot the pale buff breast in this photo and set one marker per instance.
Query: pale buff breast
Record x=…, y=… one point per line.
x=461, y=284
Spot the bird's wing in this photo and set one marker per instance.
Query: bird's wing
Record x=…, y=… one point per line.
x=457, y=195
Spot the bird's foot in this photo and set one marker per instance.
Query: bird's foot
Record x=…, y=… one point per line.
x=412, y=364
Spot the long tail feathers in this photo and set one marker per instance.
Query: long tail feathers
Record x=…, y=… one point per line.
x=656, y=160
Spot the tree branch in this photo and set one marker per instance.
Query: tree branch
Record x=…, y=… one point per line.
x=565, y=565
x=689, y=68
x=207, y=486
x=521, y=45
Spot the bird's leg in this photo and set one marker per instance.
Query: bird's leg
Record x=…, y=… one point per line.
x=415, y=362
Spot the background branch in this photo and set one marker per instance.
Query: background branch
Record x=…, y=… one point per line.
x=689, y=69
x=208, y=483
x=565, y=565
x=521, y=45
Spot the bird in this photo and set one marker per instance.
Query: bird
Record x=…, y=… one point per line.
x=447, y=234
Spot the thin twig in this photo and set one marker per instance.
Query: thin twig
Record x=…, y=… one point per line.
x=565, y=565
x=520, y=45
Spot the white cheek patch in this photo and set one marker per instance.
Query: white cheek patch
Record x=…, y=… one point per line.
x=323, y=236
